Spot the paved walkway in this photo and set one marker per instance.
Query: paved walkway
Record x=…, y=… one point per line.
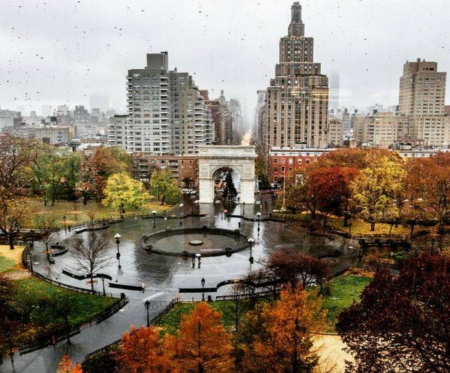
x=162, y=276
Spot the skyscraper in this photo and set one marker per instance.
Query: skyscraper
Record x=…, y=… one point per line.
x=166, y=113
x=422, y=101
x=297, y=99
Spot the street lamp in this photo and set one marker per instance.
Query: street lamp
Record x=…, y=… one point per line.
x=154, y=217
x=147, y=307
x=117, y=237
x=65, y=225
x=243, y=208
x=258, y=217
x=103, y=281
x=192, y=207
x=250, y=242
x=203, y=289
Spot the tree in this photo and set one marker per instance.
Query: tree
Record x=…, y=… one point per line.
x=55, y=172
x=61, y=305
x=282, y=331
x=287, y=266
x=402, y=323
x=13, y=212
x=96, y=168
x=92, y=254
x=15, y=156
x=299, y=196
x=331, y=187
x=48, y=225
x=202, y=344
x=142, y=351
x=163, y=183
x=123, y=191
x=376, y=189
x=230, y=192
x=66, y=366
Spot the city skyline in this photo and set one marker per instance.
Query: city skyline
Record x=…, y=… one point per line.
x=58, y=53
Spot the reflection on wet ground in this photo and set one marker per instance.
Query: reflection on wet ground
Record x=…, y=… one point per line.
x=168, y=274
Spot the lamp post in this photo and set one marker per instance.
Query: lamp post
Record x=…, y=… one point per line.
x=192, y=207
x=203, y=289
x=147, y=307
x=243, y=208
x=250, y=242
x=154, y=218
x=30, y=258
x=117, y=237
x=258, y=217
x=65, y=225
x=103, y=281
x=10, y=345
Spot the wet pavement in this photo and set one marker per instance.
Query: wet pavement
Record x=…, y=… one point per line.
x=162, y=276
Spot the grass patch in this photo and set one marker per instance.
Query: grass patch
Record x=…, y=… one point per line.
x=6, y=264
x=77, y=213
x=85, y=306
x=344, y=291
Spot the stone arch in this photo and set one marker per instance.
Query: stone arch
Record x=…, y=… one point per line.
x=238, y=158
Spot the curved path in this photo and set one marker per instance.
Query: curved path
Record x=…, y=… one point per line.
x=162, y=277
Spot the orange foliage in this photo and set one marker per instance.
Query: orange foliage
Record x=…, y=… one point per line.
x=65, y=366
x=202, y=344
x=142, y=351
x=282, y=340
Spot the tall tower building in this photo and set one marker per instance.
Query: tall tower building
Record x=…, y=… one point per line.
x=422, y=101
x=422, y=89
x=297, y=99
x=166, y=113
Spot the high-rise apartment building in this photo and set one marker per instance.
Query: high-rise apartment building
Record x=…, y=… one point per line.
x=297, y=99
x=166, y=113
x=422, y=101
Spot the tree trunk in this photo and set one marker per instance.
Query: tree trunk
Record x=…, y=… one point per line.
x=85, y=199
x=11, y=241
x=372, y=226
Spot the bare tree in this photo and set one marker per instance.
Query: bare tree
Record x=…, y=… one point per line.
x=92, y=254
x=48, y=225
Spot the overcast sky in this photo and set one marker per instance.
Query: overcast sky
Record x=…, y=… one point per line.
x=62, y=51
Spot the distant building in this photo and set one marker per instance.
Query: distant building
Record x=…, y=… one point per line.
x=166, y=112
x=297, y=99
x=184, y=168
x=422, y=101
x=48, y=134
x=9, y=118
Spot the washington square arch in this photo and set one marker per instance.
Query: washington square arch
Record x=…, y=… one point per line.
x=217, y=162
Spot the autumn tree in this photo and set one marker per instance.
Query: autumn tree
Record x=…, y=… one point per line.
x=96, y=168
x=287, y=266
x=280, y=337
x=124, y=192
x=142, y=351
x=15, y=156
x=298, y=196
x=402, y=322
x=66, y=366
x=55, y=173
x=202, y=344
x=376, y=189
x=331, y=188
x=92, y=254
x=164, y=185
x=13, y=213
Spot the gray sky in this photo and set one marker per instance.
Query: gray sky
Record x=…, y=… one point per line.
x=62, y=51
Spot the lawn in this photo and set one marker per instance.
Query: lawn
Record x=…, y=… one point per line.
x=6, y=264
x=77, y=213
x=345, y=290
